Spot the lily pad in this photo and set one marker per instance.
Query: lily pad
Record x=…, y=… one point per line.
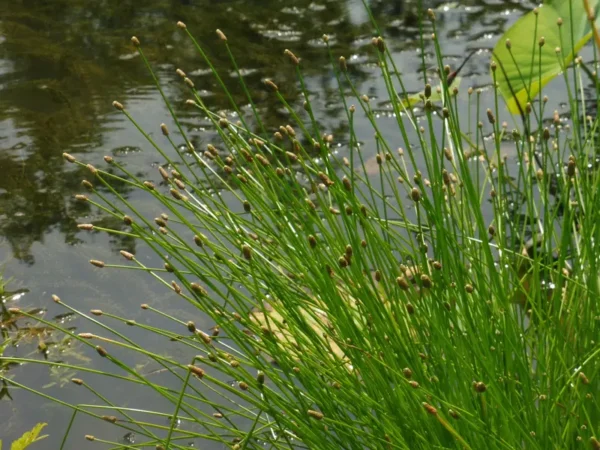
x=525, y=66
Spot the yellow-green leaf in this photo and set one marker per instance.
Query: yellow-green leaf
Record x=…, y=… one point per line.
x=29, y=438
x=525, y=68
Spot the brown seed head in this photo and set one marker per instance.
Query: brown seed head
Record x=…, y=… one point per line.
x=68, y=157
x=427, y=90
x=295, y=61
x=179, y=184
x=85, y=226
x=96, y=312
x=290, y=131
x=480, y=387
x=402, y=283
x=539, y=174
x=118, y=106
x=181, y=25
x=189, y=82
x=198, y=289
x=221, y=35
x=164, y=129
x=101, y=351
x=176, y=287
x=430, y=409
x=163, y=173
x=77, y=381
x=247, y=252
x=343, y=65
x=415, y=194
x=135, y=41
x=95, y=262
x=86, y=184
x=196, y=370
x=347, y=184
x=571, y=167
x=271, y=85
x=176, y=194
x=426, y=281
x=315, y=414
x=198, y=241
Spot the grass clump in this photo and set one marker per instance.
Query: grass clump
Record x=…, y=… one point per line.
x=446, y=298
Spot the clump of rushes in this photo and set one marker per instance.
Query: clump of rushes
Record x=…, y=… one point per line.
x=329, y=344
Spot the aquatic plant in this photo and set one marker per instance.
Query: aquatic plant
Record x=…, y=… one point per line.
x=28, y=438
x=438, y=297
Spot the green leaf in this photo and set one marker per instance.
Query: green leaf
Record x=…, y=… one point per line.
x=29, y=437
x=526, y=68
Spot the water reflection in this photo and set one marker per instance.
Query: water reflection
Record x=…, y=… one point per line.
x=63, y=62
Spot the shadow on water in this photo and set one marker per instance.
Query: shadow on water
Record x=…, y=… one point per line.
x=63, y=62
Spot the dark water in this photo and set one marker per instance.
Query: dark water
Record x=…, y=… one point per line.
x=63, y=62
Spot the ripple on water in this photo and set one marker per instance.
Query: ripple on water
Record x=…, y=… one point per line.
x=128, y=56
x=125, y=150
x=282, y=35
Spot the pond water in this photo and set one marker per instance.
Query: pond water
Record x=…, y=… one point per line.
x=63, y=62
